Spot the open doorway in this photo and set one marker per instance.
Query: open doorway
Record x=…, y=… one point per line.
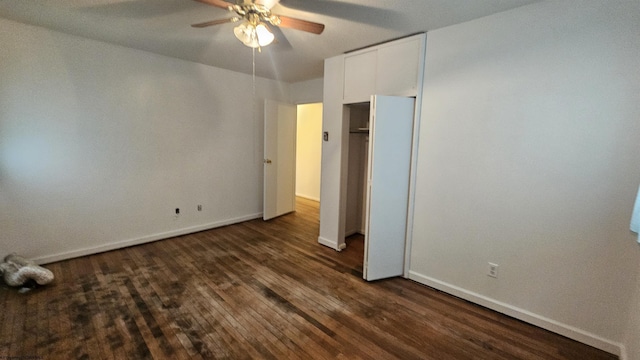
x=308, y=151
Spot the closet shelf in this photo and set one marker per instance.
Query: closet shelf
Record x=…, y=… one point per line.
x=359, y=131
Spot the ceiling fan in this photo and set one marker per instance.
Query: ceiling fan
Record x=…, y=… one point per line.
x=256, y=14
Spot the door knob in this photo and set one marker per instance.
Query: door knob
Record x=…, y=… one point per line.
x=267, y=161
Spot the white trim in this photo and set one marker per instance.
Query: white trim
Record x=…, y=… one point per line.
x=308, y=197
x=137, y=241
x=524, y=315
x=332, y=244
x=623, y=352
x=413, y=170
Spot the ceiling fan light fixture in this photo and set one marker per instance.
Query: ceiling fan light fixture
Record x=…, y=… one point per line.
x=264, y=35
x=254, y=36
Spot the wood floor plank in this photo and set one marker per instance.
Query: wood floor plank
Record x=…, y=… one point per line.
x=320, y=305
x=258, y=301
x=167, y=335
x=256, y=290
x=217, y=316
x=254, y=311
x=13, y=325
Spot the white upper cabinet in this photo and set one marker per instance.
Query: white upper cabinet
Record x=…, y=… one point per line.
x=359, y=84
x=388, y=69
x=398, y=68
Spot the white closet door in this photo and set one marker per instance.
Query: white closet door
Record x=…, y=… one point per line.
x=391, y=133
x=279, y=159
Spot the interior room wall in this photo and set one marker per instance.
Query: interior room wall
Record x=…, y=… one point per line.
x=631, y=340
x=99, y=144
x=528, y=158
x=306, y=92
x=309, y=151
x=332, y=226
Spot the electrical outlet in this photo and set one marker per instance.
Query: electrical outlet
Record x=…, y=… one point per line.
x=493, y=270
x=177, y=212
x=199, y=207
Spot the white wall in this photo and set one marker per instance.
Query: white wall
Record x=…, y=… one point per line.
x=99, y=144
x=528, y=157
x=632, y=331
x=309, y=151
x=334, y=160
x=306, y=92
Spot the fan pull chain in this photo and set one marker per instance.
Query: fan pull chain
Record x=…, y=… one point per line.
x=253, y=77
x=254, y=101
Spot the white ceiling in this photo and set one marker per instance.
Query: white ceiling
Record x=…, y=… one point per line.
x=162, y=27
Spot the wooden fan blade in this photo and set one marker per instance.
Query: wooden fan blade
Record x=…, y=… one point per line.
x=217, y=3
x=212, y=22
x=303, y=25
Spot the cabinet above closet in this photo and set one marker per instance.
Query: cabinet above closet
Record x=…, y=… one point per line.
x=391, y=68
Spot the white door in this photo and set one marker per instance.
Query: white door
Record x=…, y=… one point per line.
x=390, y=143
x=279, y=159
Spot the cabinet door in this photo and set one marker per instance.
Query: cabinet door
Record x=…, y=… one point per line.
x=359, y=77
x=390, y=142
x=398, y=68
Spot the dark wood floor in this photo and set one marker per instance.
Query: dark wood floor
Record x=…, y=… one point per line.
x=255, y=290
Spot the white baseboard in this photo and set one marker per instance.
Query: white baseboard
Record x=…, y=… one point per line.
x=524, y=315
x=348, y=233
x=308, y=197
x=137, y=241
x=332, y=244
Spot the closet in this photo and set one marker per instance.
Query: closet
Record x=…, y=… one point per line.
x=369, y=114
x=357, y=168
x=379, y=163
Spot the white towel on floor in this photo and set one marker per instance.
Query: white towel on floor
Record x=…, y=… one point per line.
x=635, y=217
